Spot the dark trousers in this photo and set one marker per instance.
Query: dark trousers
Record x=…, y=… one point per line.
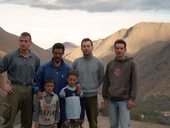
x=21, y=99
x=91, y=107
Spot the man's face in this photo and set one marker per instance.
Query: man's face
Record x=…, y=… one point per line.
x=24, y=42
x=87, y=48
x=58, y=54
x=119, y=50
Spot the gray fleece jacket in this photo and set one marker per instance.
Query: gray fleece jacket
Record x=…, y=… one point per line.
x=91, y=73
x=120, y=81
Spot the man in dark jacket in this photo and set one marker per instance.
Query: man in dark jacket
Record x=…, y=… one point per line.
x=55, y=69
x=119, y=87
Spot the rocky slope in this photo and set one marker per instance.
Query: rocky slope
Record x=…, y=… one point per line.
x=137, y=37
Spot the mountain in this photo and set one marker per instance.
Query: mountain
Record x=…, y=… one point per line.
x=69, y=45
x=149, y=45
x=153, y=64
x=137, y=37
x=9, y=42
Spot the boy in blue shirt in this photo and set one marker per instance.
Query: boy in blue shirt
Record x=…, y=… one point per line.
x=72, y=107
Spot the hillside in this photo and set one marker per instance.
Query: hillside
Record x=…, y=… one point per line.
x=153, y=64
x=9, y=42
x=137, y=37
x=149, y=44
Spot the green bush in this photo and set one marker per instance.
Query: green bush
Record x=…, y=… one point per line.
x=148, y=115
x=143, y=114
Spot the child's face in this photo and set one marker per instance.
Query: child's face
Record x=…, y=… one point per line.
x=49, y=86
x=72, y=79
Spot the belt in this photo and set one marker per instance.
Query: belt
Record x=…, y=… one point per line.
x=21, y=83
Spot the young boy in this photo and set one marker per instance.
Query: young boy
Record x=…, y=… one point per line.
x=46, y=111
x=72, y=107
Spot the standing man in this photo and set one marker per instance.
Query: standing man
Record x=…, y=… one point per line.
x=21, y=66
x=119, y=87
x=91, y=73
x=54, y=69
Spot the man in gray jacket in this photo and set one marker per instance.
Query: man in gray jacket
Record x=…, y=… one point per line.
x=119, y=87
x=91, y=73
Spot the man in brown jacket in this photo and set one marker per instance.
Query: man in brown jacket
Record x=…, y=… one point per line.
x=119, y=87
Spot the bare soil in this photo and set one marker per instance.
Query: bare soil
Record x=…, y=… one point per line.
x=103, y=122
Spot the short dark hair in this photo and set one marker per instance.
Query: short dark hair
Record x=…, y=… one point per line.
x=73, y=72
x=58, y=46
x=24, y=34
x=87, y=39
x=120, y=41
x=49, y=80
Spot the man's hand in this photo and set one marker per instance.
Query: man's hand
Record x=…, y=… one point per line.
x=55, y=125
x=78, y=87
x=130, y=104
x=39, y=95
x=8, y=88
x=36, y=124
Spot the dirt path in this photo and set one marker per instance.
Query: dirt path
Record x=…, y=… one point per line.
x=103, y=122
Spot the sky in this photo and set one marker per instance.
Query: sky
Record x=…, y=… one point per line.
x=52, y=21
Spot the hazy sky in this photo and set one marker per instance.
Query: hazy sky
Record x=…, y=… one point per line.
x=51, y=21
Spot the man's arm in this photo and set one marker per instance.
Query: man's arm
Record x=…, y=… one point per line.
x=38, y=83
x=5, y=86
x=101, y=73
x=4, y=65
x=133, y=88
x=106, y=84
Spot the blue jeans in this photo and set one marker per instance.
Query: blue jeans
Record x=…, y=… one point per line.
x=119, y=114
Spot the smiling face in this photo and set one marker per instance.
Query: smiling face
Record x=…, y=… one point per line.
x=72, y=80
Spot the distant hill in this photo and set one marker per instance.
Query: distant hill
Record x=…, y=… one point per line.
x=149, y=44
x=9, y=42
x=68, y=47
x=137, y=37
x=153, y=63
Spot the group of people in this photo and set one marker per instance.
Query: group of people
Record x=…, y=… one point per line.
x=55, y=95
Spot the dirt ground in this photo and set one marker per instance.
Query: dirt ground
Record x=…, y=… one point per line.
x=103, y=122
